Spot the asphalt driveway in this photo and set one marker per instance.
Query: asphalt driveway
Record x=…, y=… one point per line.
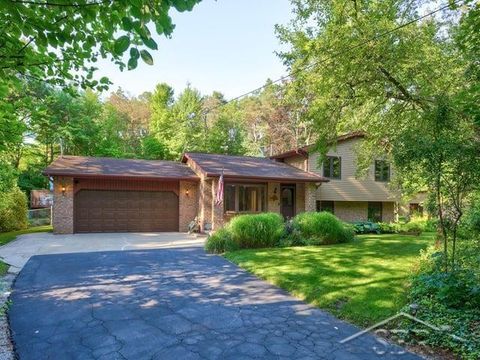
x=169, y=304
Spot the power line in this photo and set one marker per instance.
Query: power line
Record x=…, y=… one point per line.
x=374, y=38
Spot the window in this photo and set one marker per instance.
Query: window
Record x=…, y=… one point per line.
x=375, y=211
x=416, y=209
x=325, y=206
x=382, y=170
x=245, y=198
x=332, y=167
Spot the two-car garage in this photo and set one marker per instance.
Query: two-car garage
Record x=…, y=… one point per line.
x=125, y=211
x=122, y=195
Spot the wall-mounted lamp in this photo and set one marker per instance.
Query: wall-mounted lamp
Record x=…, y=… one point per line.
x=63, y=189
x=187, y=192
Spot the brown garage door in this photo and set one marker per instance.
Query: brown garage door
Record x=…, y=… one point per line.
x=118, y=211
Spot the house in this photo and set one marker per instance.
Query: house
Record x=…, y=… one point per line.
x=349, y=197
x=115, y=195
x=93, y=194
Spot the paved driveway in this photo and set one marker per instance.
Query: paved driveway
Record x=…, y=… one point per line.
x=167, y=304
x=17, y=253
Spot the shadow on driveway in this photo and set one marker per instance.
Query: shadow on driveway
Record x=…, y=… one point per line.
x=168, y=304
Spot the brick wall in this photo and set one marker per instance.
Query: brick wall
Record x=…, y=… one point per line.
x=351, y=210
x=187, y=203
x=63, y=205
x=388, y=211
x=310, y=197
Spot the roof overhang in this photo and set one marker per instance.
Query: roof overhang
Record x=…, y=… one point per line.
x=265, y=178
x=120, y=177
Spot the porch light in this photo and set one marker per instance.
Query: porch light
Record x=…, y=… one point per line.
x=63, y=190
x=187, y=192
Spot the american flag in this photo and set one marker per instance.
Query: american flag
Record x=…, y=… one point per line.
x=219, y=197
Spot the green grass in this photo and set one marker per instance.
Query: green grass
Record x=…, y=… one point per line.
x=6, y=237
x=363, y=281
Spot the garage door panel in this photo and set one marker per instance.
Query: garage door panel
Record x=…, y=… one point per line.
x=115, y=211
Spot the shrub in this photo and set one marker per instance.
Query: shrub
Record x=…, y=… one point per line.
x=318, y=228
x=257, y=231
x=449, y=299
x=220, y=241
x=388, y=228
x=13, y=210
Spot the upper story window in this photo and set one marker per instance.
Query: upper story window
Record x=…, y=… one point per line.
x=332, y=167
x=382, y=170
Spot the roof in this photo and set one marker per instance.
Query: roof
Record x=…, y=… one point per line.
x=83, y=166
x=303, y=151
x=249, y=167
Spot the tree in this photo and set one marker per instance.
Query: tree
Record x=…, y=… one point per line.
x=412, y=88
x=59, y=41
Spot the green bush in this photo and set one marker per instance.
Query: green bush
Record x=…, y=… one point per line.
x=220, y=241
x=319, y=228
x=449, y=299
x=13, y=210
x=388, y=228
x=257, y=231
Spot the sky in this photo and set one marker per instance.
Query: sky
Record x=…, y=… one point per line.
x=223, y=45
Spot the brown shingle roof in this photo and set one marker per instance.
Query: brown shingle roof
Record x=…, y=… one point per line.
x=83, y=166
x=305, y=149
x=249, y=167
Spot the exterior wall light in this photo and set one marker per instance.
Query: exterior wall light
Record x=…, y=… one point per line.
x=187, y=192
x=64, y=189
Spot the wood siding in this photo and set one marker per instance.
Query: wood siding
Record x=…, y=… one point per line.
x=349, y=187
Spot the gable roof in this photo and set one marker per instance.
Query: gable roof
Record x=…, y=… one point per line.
x=304, y=150
x=249, y=167
x=84, y=166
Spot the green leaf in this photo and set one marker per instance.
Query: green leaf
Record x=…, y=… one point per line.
x=132, y=63
x=121, y=44
x=127, y=24
x=134, y=53
x=146, y=57
x=150, y=43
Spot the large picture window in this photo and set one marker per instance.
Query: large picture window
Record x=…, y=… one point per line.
x=382, y=170
x=248, y=198
x=332, y=167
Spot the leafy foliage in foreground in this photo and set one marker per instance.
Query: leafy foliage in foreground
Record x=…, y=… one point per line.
x=13, y=210
x=450, y=299
x=257, y=231
x=59, y=41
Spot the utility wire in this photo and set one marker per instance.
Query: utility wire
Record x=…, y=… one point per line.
x=285, y=77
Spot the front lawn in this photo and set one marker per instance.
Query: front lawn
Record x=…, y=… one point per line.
x=6, y=237
x=364, y=281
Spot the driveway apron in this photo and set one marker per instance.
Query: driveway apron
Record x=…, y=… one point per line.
x=169, y=304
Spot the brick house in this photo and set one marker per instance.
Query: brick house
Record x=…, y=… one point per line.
x=119, y=195
x=115, y=195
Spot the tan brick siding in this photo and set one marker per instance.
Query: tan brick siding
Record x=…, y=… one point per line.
x=310, y=198
x=351, y=210
x=187, y=203
x=63, y=205
x=388, y=211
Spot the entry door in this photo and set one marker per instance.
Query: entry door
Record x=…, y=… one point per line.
x=287, y=205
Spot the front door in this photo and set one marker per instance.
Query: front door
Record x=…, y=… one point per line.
x=287, y=204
